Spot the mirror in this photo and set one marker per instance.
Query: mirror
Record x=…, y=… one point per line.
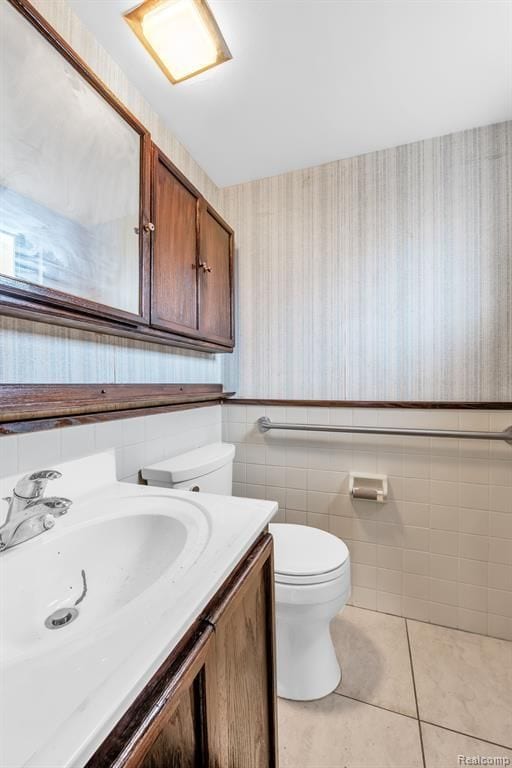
x=70, y=170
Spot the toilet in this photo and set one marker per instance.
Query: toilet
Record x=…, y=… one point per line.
x=312, y=576
x=312, y=585
x=208, y=469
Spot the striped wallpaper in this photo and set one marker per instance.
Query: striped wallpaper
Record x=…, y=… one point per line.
x=33, y=352
x=385, y=276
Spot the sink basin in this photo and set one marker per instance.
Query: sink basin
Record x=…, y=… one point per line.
x=97, y=568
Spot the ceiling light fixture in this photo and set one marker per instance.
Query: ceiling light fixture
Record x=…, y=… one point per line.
x=181, y=35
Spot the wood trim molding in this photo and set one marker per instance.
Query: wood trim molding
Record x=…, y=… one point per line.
x=417, y=404
x=34, y=407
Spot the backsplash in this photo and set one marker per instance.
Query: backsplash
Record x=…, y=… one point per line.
x=380, y=277
x=440, y=550
x=136, y=442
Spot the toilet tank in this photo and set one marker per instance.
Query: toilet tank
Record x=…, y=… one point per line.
x=208, y=469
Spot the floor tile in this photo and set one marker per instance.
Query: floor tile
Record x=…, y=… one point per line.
x=463, y=681
x=336, y=732
x=442, y=748
x=373, y=653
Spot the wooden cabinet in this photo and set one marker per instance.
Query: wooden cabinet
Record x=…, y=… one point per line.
x=215, y=277
x=174, y=264
x=192, y=261
x=119, y=242
x=212, y=704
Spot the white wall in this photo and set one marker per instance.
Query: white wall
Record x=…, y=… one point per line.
x=382, y=277
x=440, y=549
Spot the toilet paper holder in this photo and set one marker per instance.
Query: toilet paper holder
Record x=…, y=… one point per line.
x=369, y=487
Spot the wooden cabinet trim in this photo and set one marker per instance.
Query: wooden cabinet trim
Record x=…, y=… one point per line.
x=45, y=313
x=234, y=589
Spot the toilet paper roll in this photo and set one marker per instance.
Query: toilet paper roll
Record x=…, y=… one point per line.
x=365, y=493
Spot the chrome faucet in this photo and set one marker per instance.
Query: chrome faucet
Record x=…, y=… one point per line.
x=30, y=512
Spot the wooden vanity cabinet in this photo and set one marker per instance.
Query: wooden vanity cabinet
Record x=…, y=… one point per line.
x=212, y=704
x=192, y=260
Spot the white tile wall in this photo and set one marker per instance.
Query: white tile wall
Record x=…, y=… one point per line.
x=138, y=441
x=440, y=549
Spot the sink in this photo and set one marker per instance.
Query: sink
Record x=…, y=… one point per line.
x=87, y=573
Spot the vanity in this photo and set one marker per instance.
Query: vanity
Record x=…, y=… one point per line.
x=168, y=660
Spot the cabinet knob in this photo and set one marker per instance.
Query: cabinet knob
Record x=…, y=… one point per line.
x=205, y=266
x=149, y=227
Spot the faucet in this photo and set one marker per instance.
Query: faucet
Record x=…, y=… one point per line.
x=30, y=512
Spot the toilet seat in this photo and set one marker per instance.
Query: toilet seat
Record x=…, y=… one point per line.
x=319, y=578
x=305, y=555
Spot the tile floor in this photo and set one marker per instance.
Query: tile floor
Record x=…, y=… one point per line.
x=413, y=695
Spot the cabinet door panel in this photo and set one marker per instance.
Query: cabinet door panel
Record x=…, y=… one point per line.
x=174, y=273
x=243, y=720
x=215, y=279
x=177, y=744
x=165, y=725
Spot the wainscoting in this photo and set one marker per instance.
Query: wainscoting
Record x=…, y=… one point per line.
x=440, y=550
x=136, y=442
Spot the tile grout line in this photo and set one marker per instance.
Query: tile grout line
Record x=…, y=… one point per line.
x=467, y=735
x=415, y=693
x=423, y=621
x=377, y=706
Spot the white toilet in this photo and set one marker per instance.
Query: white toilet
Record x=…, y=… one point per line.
x=312, y=576
x=208, y=469
x=312, y=580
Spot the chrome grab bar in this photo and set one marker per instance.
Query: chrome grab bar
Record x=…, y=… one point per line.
x=265, y=424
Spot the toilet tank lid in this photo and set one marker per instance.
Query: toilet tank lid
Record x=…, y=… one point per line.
x=301, y=550
x=187, y=466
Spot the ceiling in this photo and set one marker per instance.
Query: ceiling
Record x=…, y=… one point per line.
x=319, y=80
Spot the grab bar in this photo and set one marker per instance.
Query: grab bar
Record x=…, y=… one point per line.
x=265, y=424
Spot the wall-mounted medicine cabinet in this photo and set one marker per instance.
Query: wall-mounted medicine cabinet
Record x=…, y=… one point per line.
x=76, y=235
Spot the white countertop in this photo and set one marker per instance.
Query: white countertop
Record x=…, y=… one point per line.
x=58, y=705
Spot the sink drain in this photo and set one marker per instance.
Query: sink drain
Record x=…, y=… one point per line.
x=61, y=618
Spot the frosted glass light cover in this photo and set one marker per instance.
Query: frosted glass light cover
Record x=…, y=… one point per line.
x=181, y=35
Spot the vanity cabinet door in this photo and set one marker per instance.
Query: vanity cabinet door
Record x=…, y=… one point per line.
x=174, y=257
x=215, y=278
x=165, y=727
x=241, y=711
x=176, y=745
x=212, y=704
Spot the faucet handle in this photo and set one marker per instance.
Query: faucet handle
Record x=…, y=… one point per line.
x=46, y=474
x=32, y=486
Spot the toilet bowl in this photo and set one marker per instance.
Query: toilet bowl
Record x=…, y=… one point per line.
x=312, y=576
x=312, y=582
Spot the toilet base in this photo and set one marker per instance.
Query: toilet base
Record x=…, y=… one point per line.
x=307, y=667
